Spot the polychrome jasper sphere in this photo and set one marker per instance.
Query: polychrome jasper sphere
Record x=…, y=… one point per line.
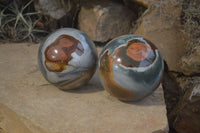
x=67, y=58
x=130, y=67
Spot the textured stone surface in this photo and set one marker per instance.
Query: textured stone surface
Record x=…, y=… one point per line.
x=190, y=64
x=50, y=7
x=146, y=3
x=87, y=109
x=105, y=20
x=161, y=24
x=187, y=112
x=10, y=122
x=56, y=13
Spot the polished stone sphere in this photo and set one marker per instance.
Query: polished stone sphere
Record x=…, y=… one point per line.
x=67, y=58
x=130, y=67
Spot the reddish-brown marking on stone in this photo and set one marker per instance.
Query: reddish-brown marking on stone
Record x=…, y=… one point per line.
x=138, y=51
x=58, y=53
x=151, y=44
x=112, y=87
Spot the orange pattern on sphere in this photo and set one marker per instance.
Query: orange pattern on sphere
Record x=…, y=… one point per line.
x=58, y=53
x=138, y=51
x=112, y=87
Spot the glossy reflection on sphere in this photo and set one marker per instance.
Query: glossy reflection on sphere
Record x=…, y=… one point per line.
x=67, y=58
x=130, y=67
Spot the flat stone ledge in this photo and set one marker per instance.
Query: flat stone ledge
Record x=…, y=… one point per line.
x=87, y=109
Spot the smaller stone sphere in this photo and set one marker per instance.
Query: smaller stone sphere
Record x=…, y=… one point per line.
x=67, y=58
x=130, y=67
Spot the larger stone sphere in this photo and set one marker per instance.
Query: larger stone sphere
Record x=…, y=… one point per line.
x=67, y=58
x=130, y=67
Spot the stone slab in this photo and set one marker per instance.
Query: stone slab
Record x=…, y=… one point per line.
x=10, y=122
x=88, y=109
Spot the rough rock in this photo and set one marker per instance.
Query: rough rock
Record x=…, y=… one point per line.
x=190, y=64
x=160, y=23
x=172, y=91
x=57, y=13
x=187, y=112
x=50, y=7
x=86, y=109
x=10, y=122
x=103, y=21
x=145, y=3
x=137, y=6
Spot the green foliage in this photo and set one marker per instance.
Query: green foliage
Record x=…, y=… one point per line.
x=17, y=24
